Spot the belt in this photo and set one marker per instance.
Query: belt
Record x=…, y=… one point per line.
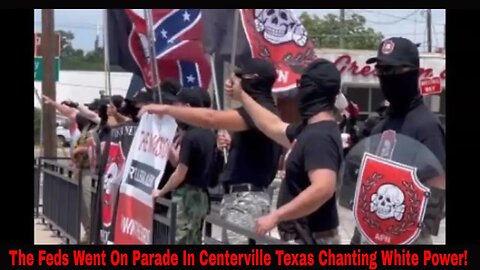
x=289, y=236
x=242, y=188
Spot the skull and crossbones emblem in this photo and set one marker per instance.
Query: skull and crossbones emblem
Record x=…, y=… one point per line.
x=280, y=26
x=388, y=202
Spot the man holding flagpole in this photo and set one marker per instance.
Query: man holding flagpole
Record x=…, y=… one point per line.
x=253, y=157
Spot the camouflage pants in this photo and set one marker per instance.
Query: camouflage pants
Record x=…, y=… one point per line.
x=423, y=239
x=192, y=206
x=242, y=209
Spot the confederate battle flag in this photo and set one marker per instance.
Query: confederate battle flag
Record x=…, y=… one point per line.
x=178, y=44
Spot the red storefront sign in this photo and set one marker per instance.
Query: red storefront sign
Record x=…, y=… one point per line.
x=346, y=64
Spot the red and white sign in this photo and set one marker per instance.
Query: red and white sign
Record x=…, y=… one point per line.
x=354, y=70
x=37, y=45
x=431, y=86
x=144, y=169
x=390, y=201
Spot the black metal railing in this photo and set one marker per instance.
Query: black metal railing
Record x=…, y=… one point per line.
x=164, y=222
x=61, y=195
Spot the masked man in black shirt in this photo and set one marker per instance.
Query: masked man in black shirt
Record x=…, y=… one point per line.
x=313, y=162
x=190, y=179
x=398, y=69
x=253, y=157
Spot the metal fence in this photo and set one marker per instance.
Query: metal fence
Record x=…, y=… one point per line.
x=58, y=202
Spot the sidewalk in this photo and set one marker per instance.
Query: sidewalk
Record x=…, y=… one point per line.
x=43, y=235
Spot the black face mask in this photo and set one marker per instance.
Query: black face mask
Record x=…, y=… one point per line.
x=312, y=99
x=401, y=90
x=259, y=89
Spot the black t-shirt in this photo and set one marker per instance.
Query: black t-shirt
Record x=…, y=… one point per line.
x=317, y=146
x=420, y=124
x=197, y=153
x=253, y=157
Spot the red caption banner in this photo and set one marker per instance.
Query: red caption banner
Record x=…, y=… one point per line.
x=256, y=257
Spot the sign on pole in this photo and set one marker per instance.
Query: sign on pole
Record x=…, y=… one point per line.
x=431, y=86
x=37, y=49
x=38, y=68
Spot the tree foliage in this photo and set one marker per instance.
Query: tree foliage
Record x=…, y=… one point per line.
x=326, y=31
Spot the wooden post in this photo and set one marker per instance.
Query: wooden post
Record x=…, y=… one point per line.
x=48, y=83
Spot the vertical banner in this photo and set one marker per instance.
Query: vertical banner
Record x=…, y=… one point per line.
x=121, y=138
x=144, y=168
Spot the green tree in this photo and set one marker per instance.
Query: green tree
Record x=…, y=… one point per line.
x=325, y=31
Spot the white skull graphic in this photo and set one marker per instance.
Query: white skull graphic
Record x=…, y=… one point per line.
x=388, y=202
x=280, y=26
x=110, y=177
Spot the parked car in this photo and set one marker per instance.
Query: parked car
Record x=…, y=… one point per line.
x=63, y=135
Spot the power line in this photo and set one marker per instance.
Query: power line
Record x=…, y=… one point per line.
x=391, y=15
x=397, y=20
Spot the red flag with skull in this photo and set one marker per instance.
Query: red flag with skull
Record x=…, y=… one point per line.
x=390, y=201
x=277, y=34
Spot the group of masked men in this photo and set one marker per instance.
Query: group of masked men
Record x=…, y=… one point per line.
x=253, y=138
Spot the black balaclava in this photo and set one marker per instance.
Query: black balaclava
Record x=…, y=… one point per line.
x=259, y=88
x=319, y=86
x=401, y=90
x=207, y=101
x=191, y=96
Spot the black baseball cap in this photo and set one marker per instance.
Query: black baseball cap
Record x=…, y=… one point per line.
x=397, y=51
x=191, y=95
x=262, y=67
x=143, y=97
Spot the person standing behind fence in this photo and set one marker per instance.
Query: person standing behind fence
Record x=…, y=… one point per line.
x=253, y=157
x=81, y=160
x=313, y=161
x=192, y=175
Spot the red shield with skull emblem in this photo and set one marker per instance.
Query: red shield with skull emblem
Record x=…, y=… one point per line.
x=111, y=180
x=279, y=36
x=389, y=201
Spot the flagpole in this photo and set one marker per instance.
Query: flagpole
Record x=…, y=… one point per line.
x=217, y=98
x=153, y=53
x=234, y=46
x=106, y=55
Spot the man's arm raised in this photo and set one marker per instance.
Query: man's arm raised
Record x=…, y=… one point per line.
x=269, y=123
x=202, y=117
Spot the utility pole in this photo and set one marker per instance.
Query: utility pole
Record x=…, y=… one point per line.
x=445, y=38
x=48, y=83
x=342, y=28
x=429, y=30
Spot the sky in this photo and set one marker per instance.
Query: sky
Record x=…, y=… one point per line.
x=408, y=23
